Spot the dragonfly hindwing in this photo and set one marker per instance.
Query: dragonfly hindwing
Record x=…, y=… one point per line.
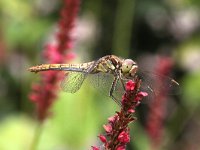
x=72, y=81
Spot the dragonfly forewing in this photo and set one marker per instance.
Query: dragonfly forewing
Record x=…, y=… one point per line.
x=155, y=84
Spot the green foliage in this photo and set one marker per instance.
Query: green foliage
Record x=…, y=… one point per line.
x=16, y=133
x=22, y=27
x=139, y=137
x=77, y=118
x=191, y=86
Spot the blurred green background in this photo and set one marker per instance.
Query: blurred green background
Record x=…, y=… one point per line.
x=136, y=29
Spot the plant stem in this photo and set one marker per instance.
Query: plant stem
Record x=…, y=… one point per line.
x=37, y=136
x=123, y=27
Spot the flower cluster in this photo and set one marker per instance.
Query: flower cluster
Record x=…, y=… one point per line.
x=44, y=93
x=117, y=131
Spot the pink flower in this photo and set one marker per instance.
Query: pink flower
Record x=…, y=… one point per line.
x=131, y=110
x=140, y=95
x=102, y=138
x=94, y=148
x=130, y=85
x=108, y=128
x=124, y=137
x=124, y=99
x=112, y=119
x=121, y=147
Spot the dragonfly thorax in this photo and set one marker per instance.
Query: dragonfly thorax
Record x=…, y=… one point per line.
x=129, y=68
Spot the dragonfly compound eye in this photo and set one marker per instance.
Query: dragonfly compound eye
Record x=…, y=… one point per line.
x=133, y=70
x=127, y=66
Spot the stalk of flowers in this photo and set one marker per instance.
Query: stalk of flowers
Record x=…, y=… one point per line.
x=117, y=131
x=44, y=93
x=157, y=109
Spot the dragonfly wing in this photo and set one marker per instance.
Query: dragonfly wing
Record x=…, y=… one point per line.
x=103, y=81
x=119, y=89
x=158, y=84
x=72, y=81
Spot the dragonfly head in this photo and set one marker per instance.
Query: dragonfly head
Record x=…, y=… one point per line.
x=129, y=68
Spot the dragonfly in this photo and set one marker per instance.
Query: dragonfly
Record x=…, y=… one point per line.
x=120, y=69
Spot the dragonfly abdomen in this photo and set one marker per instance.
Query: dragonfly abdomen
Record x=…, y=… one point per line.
x=61, y=67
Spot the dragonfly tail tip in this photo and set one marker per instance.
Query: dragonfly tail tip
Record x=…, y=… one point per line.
x=32, y=70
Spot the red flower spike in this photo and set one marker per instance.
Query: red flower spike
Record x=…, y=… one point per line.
x=124, y=137
x=157, y=109
x=57, y=52
x=102, y=138
x=117, y=131
x=108, y=128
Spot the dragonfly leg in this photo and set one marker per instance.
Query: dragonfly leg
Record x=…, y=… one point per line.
x=122, y=82
x=114, y=83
